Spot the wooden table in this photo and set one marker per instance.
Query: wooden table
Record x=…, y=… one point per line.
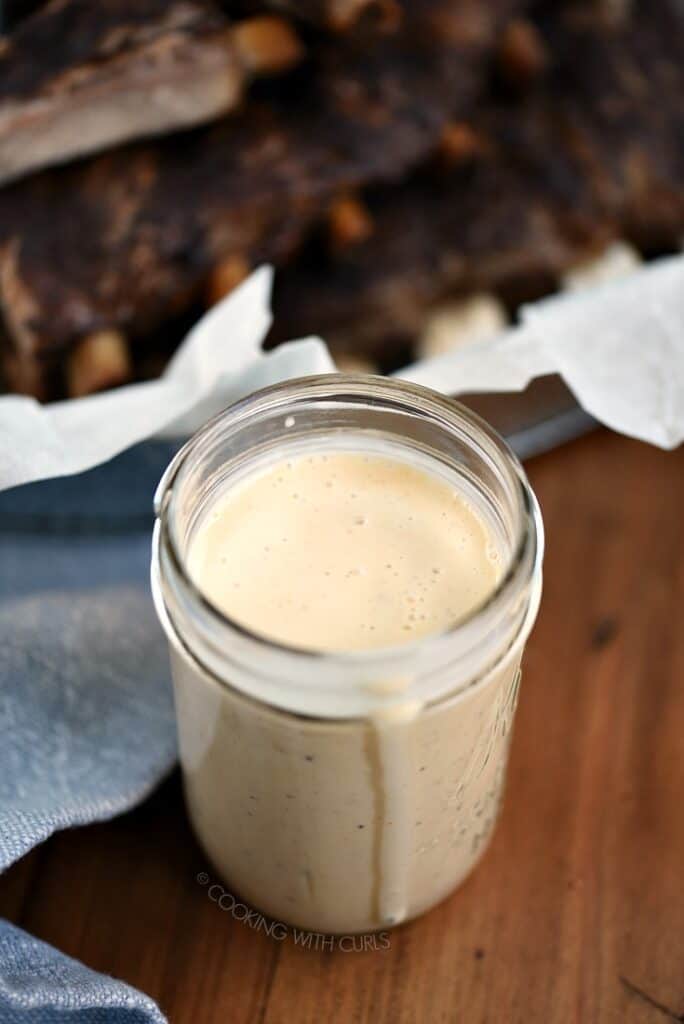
x=577, y=911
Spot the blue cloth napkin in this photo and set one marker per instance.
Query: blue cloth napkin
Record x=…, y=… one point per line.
x=86, y=714
x=38, y=985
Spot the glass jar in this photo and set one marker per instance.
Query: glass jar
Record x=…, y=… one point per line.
x=346, y=793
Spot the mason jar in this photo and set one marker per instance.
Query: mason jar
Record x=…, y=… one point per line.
x=346, y=792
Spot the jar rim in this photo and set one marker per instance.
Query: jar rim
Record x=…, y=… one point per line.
x=526, y=552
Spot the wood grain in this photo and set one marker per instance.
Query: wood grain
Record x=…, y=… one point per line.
x=576, y=913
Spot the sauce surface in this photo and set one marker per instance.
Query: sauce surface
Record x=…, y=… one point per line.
x=344, y=552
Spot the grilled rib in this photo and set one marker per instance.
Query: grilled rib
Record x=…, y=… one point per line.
x=535, y=184
x=79, y=77
x=124, y=240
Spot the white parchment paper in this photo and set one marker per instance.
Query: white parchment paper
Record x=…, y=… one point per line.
x=619, y=347
x=220, y=360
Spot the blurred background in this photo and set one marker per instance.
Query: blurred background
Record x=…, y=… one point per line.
x=414, y=170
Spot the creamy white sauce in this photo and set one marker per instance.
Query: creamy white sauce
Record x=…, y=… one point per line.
x=344, y=552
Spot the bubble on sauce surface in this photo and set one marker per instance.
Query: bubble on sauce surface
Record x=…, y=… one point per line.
x=492, y=552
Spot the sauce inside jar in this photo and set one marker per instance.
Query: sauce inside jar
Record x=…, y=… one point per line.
x=344, y=551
